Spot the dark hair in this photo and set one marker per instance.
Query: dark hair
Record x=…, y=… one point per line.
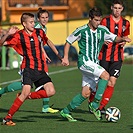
x=117, y=2
x=95, y=12
x=41, y=11
x=26, y=15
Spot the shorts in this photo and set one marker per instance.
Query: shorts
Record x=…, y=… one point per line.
x=30, y=76
x=90, y=74
x=113, y=68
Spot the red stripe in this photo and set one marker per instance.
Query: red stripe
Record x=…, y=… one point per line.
x=116, y=53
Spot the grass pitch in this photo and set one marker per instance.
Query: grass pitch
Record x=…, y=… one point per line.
x=29, y=118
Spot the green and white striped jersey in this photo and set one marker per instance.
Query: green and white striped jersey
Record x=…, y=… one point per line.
x=90, y=42
x=38, y=25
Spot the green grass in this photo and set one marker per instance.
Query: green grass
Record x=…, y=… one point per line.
x=29, y=118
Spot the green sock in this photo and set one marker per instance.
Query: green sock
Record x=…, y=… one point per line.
x=11, y=87
x=76, y=101
x=101, y=87
x=45, y=103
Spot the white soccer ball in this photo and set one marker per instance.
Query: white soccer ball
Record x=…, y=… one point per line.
x=112, y=114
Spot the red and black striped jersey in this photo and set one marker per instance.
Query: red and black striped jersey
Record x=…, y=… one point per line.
x=30, y=47
x=113, y=51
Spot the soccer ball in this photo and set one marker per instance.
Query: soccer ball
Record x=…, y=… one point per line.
x=112, y=114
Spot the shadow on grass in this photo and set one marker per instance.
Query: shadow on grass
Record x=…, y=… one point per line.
x=56, y=116
x=131, y=127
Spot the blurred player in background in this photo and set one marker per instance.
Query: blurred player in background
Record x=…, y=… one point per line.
x=43, y=17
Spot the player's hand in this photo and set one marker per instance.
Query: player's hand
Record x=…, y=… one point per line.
x=122, y=44
x=127, y=40
x=48, y=59
x=106, y=42
x=65, y=62
x=12, y=30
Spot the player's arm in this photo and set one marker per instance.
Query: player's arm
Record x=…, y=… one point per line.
x=69, y=41
x=11, y=31
x=110, y=37
x=122, y=39
x=52, y=46
x=45, y=55
x=65, y=61
x=123, y=43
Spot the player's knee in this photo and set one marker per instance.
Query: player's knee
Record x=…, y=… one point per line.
x=50, y=92
x=105, y=75
x=112, y=81
x=86, y=92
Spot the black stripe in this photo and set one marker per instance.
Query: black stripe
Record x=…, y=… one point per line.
x=108, y=23
x=122, y=34
x=114, y=44
x=33, y=51
x=105, y=46
x=22, y=40
x=40, y=47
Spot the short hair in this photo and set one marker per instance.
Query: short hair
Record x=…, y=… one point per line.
x=95, y=12
x=41, y=11
x=117, y=2
x=25, y=16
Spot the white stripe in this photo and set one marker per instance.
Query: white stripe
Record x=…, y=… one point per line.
x=87, y=47
x=92, y=44
x=51, y=73
x=96, y=48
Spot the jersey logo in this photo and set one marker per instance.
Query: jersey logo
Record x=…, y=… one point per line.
x=31, y=39
x=116, y=27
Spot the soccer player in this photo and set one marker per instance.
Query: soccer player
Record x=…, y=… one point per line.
x=28, y=43
x=43, y=17
x=111, y=55
x=90, y=39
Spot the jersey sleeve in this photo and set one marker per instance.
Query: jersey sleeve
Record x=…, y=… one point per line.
x=110, y=37
x=75, y=36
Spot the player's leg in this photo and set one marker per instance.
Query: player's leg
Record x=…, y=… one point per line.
x=87, y=81
x=98, y=71
x=16, y=105
x=11, y=87
x=105, y=65
x=114, y=71
x=27, y=83
x=100, y=89
x=46, y=108
x=46, y=87
x=76, y=102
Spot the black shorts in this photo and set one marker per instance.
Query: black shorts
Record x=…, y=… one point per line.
x=113, y=68
x=30, y=76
